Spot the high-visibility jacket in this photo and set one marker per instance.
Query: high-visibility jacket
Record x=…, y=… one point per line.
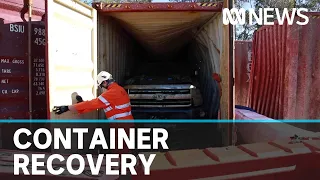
x=116, y=104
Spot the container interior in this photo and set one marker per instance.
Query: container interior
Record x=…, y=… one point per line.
x=167, y=43
x=129, y=44
x=163, y=43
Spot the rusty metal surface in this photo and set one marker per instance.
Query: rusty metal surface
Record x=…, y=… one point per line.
x=14, y=71
x=242, y=71
x=14, y=57
x=285, y=79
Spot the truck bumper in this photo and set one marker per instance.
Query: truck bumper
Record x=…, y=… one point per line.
x=167, y=113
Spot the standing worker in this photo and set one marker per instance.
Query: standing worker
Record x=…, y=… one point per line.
x=114, y=101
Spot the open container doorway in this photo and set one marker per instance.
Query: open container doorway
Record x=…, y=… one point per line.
x=134, y=39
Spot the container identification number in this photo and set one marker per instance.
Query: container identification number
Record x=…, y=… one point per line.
x=39, y=31
x=16, y=28
x=40, y=41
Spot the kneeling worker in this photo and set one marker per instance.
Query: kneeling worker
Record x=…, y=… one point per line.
x=114, y=101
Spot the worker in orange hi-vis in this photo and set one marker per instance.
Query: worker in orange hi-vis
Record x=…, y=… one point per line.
x=114, y=101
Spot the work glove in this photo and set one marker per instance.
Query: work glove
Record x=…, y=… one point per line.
x=79, y=99
x=60, y=109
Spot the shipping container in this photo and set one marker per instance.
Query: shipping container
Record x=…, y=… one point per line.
x=16, y=102
x=285, y=75
x=132, y=38
x=243, y=61
x=124, y=39
x=22, y=64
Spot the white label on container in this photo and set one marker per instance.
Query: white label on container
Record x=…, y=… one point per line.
x=6, y=71
x=39, y=32
x=4, y=81
x=39, y=79
x=12, y=91
x=40, y=41
x=16, y=28
x=18, y=61
x=6, y=61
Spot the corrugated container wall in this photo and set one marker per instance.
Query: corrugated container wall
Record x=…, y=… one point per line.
x=156, y=39
x=243, y=63
x=21, y=97
x=14, y=96
x=117, y=50
x=126, y=40
x=205, y=53
x=285, y=79
x=122, y=44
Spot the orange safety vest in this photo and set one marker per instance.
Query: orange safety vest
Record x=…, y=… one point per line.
x=116, y=104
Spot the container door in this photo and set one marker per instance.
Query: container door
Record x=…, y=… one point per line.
x=71, y=55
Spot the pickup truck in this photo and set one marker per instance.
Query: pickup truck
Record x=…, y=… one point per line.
x=164, y=97
x=170, y=97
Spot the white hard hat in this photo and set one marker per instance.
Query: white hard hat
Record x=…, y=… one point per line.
x=103, y=76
